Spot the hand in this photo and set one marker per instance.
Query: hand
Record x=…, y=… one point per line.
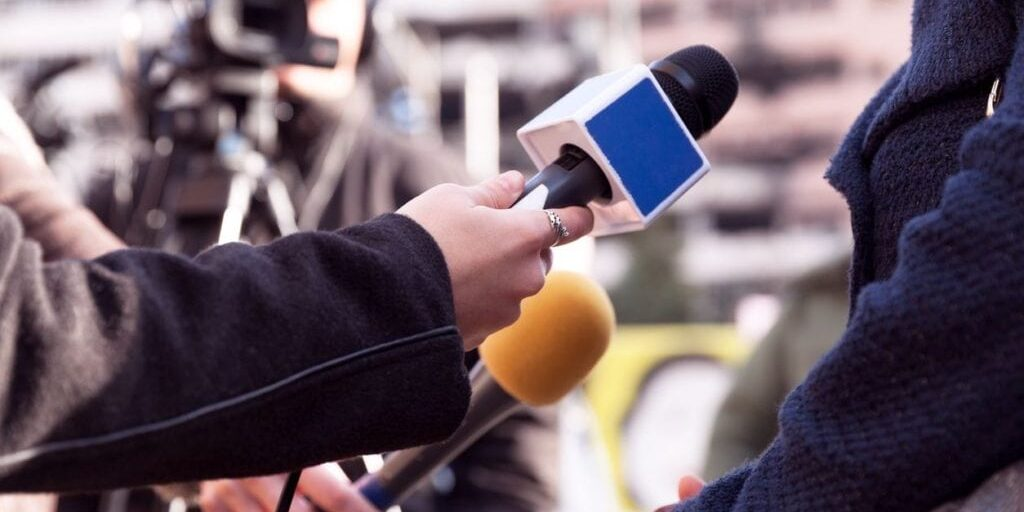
x=324, y=486
x=689, y=487
x=51, y=217
x=496, y=257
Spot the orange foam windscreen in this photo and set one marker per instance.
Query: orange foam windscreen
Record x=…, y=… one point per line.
x=561, y=335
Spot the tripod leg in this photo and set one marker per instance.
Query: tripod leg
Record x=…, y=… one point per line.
x=281, y=205
x=239, y=199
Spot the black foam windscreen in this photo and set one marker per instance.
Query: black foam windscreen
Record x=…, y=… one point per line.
x=701, y=84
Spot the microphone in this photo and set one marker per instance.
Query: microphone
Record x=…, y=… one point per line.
x=562, y=333
x=624, y=143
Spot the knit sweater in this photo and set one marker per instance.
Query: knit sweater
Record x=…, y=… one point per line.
x=923, y=397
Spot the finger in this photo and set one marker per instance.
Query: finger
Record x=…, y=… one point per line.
x=213, y=504
x=498, y=192
x=300, y=504
x=266, y=490
x=327, y=487
x=527, y=230
x=546, y=260
x=541, y=234
x=689, y=487
x=578, y=220
x=231, y=495
x=209, y=500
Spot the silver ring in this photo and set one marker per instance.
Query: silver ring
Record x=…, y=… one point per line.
x=561, y=232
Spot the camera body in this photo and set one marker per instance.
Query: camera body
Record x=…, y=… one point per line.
x=267, y=33
x=219, y=62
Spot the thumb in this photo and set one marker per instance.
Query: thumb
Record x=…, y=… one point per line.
x=327, y=486
x=498, y=192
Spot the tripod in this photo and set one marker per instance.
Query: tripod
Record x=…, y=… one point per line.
x=213, y=177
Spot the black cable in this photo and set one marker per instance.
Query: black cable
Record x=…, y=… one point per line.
x=284, y=503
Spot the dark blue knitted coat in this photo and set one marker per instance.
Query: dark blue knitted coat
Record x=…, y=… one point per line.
x=923, y=397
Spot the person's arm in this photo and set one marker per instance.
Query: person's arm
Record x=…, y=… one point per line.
x=923, y=398
x=143, y=367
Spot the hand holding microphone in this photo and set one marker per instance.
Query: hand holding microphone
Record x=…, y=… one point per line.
x=496, y=257
x=623, y=144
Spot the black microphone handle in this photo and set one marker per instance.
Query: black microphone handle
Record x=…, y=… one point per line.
x=404, y=471
x=574, y=179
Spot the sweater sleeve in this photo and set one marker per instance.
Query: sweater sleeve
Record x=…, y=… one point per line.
x=923, y=397
x=142, y=367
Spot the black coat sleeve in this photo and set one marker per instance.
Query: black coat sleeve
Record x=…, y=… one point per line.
x=142, y=367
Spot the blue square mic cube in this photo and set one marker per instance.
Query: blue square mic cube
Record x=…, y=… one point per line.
x=624, y=143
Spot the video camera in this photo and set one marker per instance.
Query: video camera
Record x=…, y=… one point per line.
x=221, y=54
x=267, y=32
x=207, y=103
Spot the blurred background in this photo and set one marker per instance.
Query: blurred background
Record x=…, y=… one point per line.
x=750, y=261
